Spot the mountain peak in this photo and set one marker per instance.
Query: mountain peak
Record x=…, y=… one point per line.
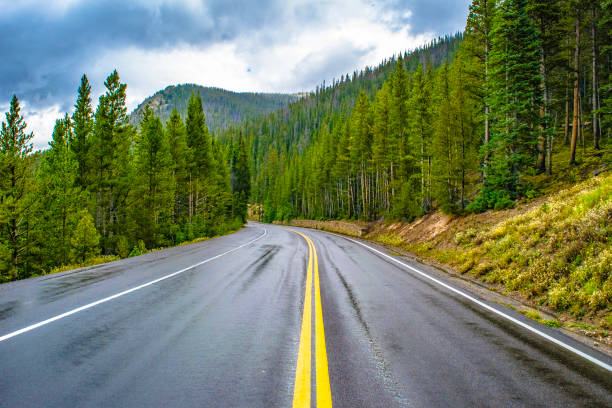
x=221, y=107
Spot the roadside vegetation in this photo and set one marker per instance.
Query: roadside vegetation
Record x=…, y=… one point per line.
x=553, y=252
x=557, y=253
x=138, y=249
x=469, y=122
x=105, y=189
x=488, y=151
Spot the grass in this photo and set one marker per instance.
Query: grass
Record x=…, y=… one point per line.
x=554, y=250
x=558, y=253
x=96, y=260
x=533, y=315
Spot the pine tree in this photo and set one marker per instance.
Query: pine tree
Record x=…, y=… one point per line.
x=605, y=25
x=420, y=125
x=16, y=184
x=220, y=207
x=154, y=183
x=445, y=146
x=111, y=147
x=361, y=152
x=198, y=141
x=381, y=149
x=465, y=107
x=477, y=48
x=516, y=97
x=546, y=15
x=85, y=239
x=401, y=160
x=59, y=197
x=595, y=6
x=82, y=122
x=341, y=170
x=576, y=122
x=175, y=131
x=240, y=180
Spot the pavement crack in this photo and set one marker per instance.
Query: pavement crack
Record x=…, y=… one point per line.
x=382, y=366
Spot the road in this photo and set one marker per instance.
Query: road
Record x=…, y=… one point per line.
x=277, y=317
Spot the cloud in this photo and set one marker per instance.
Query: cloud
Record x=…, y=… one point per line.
x=439, y=17
x=264, y=45
x=39, y=120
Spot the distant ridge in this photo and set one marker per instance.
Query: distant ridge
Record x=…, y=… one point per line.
x=221, y=107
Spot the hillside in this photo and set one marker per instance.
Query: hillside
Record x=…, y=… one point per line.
x=431, y=130
x=221, y=107
x=470, y=151
x=551, y=253
x=287, y=133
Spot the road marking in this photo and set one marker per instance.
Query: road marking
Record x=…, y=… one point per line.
x=492, y=309
x=301, y=392
x=301, y=389
x=323, y=387
x=125, y=292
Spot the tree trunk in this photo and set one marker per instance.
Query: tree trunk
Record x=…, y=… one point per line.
x=190, y=200
x=567, y=110
x=541, y=163
x=487, y=135
x=13, y=220
x=596, y=130
x=576, y=95
x=567, y=101
x=549, y=147
x=423, y=171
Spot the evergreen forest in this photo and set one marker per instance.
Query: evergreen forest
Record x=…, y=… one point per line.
x=222, y=108
x=106, y=189
x=460, y=125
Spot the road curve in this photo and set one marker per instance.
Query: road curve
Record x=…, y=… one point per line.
x=222, y=323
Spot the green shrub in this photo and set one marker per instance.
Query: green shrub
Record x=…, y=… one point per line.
x=122, y=246
x=490, y=199
x=139, y=249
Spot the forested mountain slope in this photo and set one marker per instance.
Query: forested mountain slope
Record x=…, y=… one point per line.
x=523, y=108
x=464, y=124
x=552, y=252
x=221, y=108
x=279, y=140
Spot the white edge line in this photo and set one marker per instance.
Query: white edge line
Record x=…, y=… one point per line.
x=492, y=309
x=125, y=292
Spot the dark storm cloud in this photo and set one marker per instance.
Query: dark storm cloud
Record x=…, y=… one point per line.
x=438, y=16
x=45, y=53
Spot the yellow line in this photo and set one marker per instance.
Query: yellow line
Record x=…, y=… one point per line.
x=323, y=388
x=301, y=389
x=301, y=393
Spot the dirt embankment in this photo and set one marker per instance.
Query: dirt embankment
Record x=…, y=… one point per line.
x=353, y=228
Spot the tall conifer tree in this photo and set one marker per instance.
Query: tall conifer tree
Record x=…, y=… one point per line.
x=82, y=122
x=59, y=197
x=15, y=188
x=515, y=100
x=240, y=179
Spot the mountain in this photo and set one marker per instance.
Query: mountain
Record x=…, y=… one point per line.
x=221, y=107
x=278, y=140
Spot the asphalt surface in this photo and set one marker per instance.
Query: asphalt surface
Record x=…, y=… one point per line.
x=226, y=333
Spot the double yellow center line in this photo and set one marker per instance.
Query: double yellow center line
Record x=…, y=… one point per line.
x=302, y=388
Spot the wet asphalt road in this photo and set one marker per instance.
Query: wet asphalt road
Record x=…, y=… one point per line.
x=226, y=334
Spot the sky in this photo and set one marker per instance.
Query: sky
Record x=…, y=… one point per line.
x=256, y=46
